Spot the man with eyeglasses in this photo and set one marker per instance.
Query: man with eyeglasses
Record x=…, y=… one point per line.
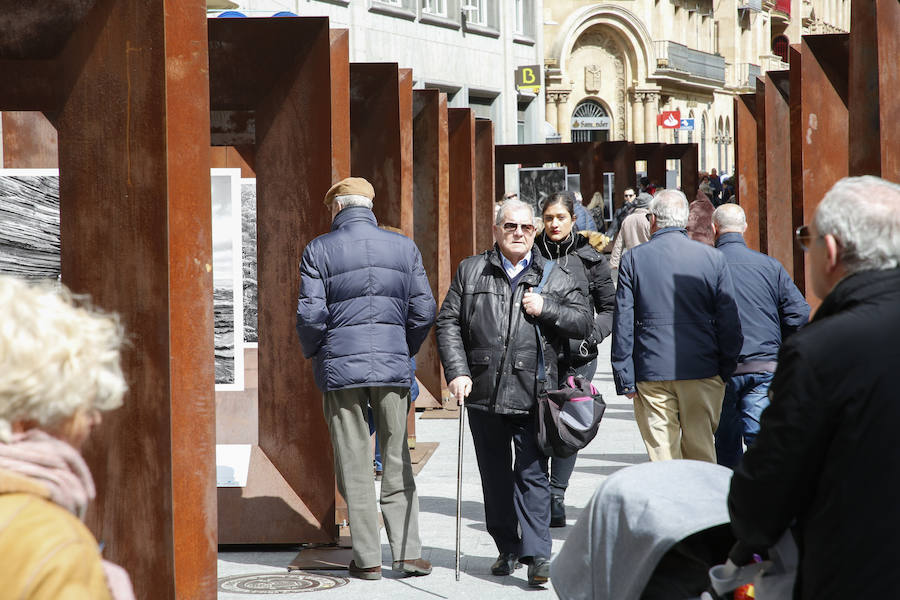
x=623, y=212
x=771, y=308
x=676, y=335
x=488, y=331
x=826, y=459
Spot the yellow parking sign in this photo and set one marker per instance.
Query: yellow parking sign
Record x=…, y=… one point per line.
x=528, y=78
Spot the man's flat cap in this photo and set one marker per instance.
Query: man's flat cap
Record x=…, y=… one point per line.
x=352, y=186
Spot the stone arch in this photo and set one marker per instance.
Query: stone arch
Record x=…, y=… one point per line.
x=600, y=44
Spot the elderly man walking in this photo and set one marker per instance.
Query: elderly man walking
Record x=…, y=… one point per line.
x=825, y=460
x=771, y=309
x=676, y=335
x=365, y=307
x=488, y=331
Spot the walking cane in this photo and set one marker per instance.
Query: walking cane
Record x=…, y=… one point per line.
x=459, y=459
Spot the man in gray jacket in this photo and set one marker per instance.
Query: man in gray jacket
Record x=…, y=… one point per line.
x=365, y=308
x=488, y=332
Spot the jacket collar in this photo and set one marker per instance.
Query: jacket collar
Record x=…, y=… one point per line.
x=857, y=288
x=732, y=237
x=534, y=270
x=668, y=230
x=353, y=214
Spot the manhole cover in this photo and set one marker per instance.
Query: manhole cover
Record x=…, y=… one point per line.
x=279, y=583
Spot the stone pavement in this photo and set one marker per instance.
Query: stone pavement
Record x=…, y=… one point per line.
x=618, y=444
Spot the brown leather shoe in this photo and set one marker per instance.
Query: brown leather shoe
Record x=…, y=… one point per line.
x=370, y=573
x=413, y=567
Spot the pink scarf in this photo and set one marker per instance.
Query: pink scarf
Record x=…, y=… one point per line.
x=60, y=468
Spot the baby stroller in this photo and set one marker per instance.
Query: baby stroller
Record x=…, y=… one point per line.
x=660, y=531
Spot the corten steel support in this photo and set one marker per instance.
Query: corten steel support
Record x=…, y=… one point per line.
x=686, y=154
x=292, y=76
x=431, y=191
x=824, y=122
x=745, y=160
x=874, y=81
x=761, y=207
x=584, y=158
x=618, y=158
x=461, y=137
x=484, y=184
x=779, y=221
x=797, y=130
x=381, y=138
x=655, y=155
x=126, y=86
x=29, y=141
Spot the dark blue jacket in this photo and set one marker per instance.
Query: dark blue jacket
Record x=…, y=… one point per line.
x=365, y=304
x=770, y=305
x=675, y=316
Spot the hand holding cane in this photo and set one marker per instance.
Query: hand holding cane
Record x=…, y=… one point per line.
x=459, y=389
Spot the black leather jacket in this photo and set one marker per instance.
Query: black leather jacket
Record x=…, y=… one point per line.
x=594, y=269
x=483, y=332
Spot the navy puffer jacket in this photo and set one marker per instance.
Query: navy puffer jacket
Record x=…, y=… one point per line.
x=365, y=304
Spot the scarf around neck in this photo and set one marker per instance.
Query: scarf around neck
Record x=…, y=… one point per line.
x=52, y=463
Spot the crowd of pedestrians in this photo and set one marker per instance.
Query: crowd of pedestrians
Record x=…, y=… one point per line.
x=712, y=341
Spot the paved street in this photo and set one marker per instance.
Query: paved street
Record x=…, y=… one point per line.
x=617, y=445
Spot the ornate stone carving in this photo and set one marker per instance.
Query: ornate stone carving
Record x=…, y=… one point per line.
x=591, y=41
x=592, y=79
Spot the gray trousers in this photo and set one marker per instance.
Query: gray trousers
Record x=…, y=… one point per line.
x=345, y=413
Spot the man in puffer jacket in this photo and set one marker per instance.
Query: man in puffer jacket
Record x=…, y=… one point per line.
x=487, y=333
x=365, y=308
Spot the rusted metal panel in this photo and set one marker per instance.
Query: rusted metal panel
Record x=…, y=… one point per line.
x=31, y=84
x=619, y=159
x=796, y=117
x=381, y=138
x=484, y=184
x=779, y=215
x=745, y=160
x=136, y=235
x=461, y=137
x=29, y=141
x=687, y=155
x=431, y=190
x=230, y=157
x=761, y=207
x=296, y=78
x=873, y=83
x=40, y=29
x=655, y=156
x=824, y=119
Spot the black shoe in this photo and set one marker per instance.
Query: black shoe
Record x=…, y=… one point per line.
x=505, y=564
x=539, y=571
x=557, y=511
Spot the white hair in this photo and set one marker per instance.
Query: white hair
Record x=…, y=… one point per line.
x=670, y=207
x=863, y=214
x=353, y=200
x=512, y=205
x=57, y=353
x=730, y=217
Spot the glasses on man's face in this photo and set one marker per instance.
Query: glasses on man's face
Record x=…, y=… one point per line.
x=805, y=237
x=629, y=195
x=527, y=228
x=649, y=216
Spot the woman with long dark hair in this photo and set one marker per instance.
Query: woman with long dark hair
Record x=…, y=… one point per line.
x=574, y=251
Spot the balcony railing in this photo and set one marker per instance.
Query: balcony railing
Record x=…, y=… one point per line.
x=671, y=56
x=743, y=75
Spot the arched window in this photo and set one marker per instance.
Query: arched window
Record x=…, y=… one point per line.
x=590, y=123
x=780, y=47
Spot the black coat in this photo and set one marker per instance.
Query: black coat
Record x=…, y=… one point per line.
x=594, y=271
x=827, y=454
x=483, y=332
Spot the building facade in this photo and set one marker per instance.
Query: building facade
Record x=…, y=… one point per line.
x=469, y=49
x=611, y=68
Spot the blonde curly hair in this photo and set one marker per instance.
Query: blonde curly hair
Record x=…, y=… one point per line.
x=57, y=355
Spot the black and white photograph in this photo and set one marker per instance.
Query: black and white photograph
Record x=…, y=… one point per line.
x=228, y=305
x=248, y=249
x=539, y=183
x=29, y=223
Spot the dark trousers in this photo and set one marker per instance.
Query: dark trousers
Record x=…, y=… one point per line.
x=513, y=479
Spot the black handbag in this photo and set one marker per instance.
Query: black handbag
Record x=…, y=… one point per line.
x=567, y=418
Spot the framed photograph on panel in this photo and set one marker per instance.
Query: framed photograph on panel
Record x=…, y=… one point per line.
x=248, y=250
x=29, y=223
x=537, y=184
x=228, y=297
